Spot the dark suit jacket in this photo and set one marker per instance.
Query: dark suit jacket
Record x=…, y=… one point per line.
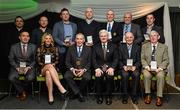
x=89, y=29
x=72, y=55
x=15, y=55
x=111, y=56
x=124, y=55
x=116, y=32
x=158, y=29
x=58, y=34
x=136, y=30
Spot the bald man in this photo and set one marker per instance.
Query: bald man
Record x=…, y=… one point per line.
x=129, y=65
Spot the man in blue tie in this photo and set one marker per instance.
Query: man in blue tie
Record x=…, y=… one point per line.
x=129, y=65
x=78, y=62
x=128, y=26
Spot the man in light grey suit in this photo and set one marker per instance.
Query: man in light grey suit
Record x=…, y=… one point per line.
x=22, y=60
x=155, y=59
x=64, y=34
x=128, y=26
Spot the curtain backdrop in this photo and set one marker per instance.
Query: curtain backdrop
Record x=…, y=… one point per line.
x=138, y=10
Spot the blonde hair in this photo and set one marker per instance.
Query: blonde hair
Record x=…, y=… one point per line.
x=43, y=39
x=103, y=31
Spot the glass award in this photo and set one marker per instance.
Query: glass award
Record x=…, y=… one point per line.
x=153, y=65
x=67, y=40
x=146, y=36
x=89, y=40
x=22, y=68
x=129, y=64
x=109, y=35
x=22, y=64
x=104, y=68
x=47, y=59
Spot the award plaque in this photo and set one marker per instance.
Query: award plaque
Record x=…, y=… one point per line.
x=146, y=36
x=104, y=68
x=79, y=63
x=67, y=40
x=129, y=62
x=89, y=40
x=109, y=35
x=47, y=59
x=22, y=64
x=153, y=65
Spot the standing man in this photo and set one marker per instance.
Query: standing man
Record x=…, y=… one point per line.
x=64, y=33
x=155, y=59
x=38, y=32
x=105, y=60
x=129, y=63
x=151, y=26
x=131, y=27
x=89, y=27
x=78, y=61
x=114, y=29
x=22, y=61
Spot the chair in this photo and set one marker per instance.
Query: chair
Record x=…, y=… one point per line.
x=154, y=78
x=40, y=79
x=22, y=78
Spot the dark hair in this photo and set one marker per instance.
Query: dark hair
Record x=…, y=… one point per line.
x=64, y=9
x=150, y=14
x=18, y=17
x=23, y=30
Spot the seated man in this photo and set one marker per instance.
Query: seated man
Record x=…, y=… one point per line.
x=105, y=60
x=155, y=59
x=78, y=61
x=129, y=63
x=22, y=60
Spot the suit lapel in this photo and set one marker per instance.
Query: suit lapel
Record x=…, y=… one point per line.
x=126, y=51
x=62, y=29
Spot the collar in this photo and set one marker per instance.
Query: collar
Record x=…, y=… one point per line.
x=88, y=21
x=154, y=45
x=150, y=26
x=23, y=44
x=112, y=22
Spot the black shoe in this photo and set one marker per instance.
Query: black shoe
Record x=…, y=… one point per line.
x=124, y=101
x=108, y=100
x=50, y=102
x=65, y=95
x=81, y=97
x=134, y=100
x=99, y=100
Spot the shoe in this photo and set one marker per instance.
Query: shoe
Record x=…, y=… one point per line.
x=81, y=97
x=23, y=96
x=108, y=100
x=147, y=99
x=134, y=100
x=51, y=102
x=124, y=100
x=65, y=95
x=99, y=100
x=159, y=101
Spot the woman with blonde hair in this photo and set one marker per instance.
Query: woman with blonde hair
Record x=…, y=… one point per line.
x=48, y=57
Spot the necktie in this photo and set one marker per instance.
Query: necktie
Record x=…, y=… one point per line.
x=79, y=51
x=24, y=50
x=129, y=50
x=153, y=53
x=104, y=50
x=126, y=28
x=109, y=27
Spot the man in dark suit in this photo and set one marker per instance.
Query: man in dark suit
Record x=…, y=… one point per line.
x=105, y=60
x=151, y=26
x=129, y=65
x=64, y=33
x=89, y=27
x=38, y=32
x=114, y=28
x=22, y=60
x=78, y=62
x=128, y=26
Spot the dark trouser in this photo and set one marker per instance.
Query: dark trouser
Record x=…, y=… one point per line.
x=14, y=79
x=62, y=66
x=125, y=80
x=104, y=84
x=72, y=84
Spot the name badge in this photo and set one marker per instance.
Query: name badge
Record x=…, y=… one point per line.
x=89, y=39
x=146, y=36
x=110, y=36
x=129, y=62
x=22, y=64
x=47, y=59
x=153, y=65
